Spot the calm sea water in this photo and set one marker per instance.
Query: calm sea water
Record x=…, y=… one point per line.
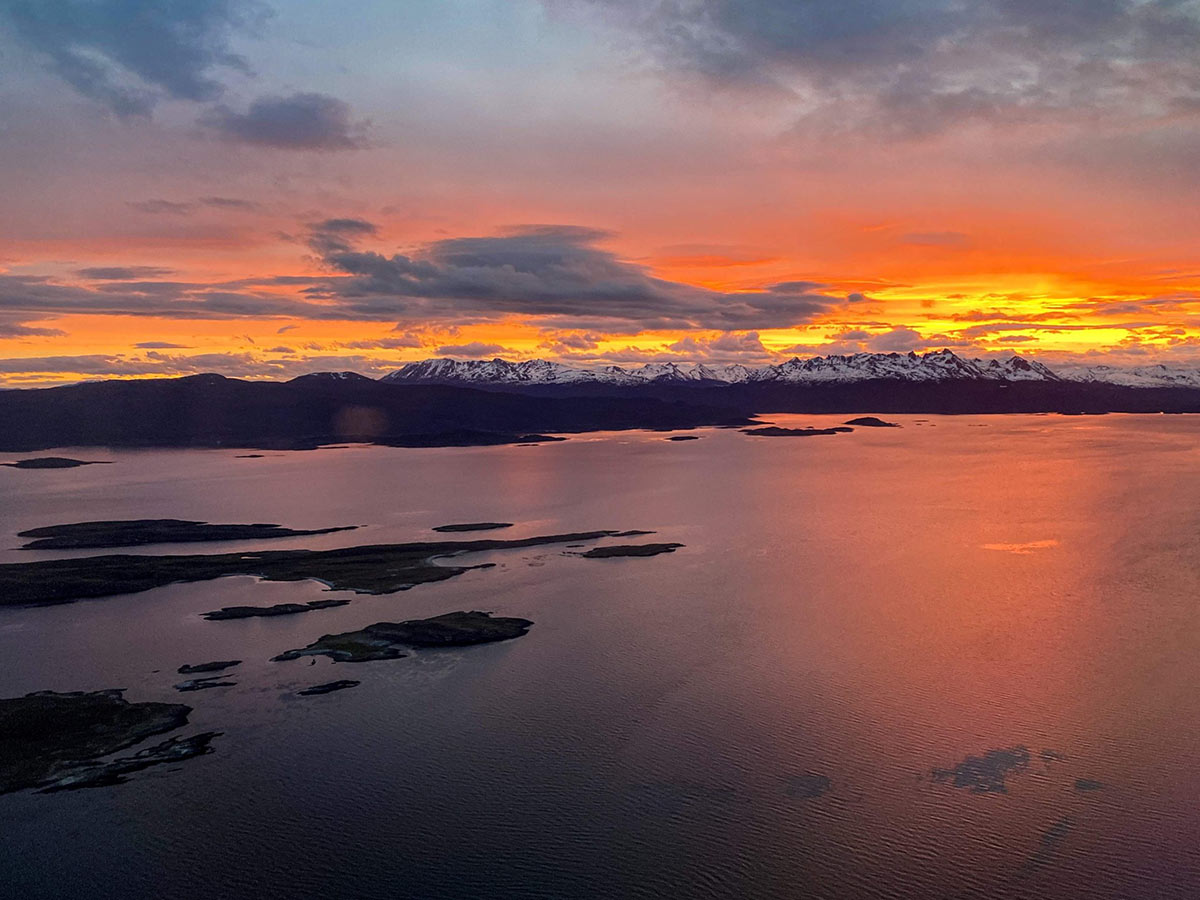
x=757, y=715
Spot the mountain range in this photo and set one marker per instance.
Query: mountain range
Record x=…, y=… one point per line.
x=444, y=402
x=937, y=366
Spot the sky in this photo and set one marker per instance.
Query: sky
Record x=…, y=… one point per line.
x=264, y=188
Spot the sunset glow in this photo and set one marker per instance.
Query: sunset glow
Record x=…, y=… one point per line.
x=565, y=180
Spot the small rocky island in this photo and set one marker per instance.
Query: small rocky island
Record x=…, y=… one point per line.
x=202, y=668
x=617, y=550
x=473, y=526
x=55, y=462
x=134, y=532
x=371, y=569
x=279, y=609
x=776, y=431
x=389, y=640
x=203, y=684
x=871, y=422
x=329, y=687
x=52, y=741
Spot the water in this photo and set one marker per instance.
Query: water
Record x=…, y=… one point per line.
x=864, y=608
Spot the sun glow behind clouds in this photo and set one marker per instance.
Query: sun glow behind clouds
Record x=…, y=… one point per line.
x=892, y=172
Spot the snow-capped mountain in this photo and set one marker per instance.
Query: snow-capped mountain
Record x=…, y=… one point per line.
x=941, y=365
x=937, y=366
x=1139, y=376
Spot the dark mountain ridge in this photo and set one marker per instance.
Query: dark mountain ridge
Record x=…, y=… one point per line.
x=213, y=411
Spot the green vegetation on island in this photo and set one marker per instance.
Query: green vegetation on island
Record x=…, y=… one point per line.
x=388, y=640
x=51, y=741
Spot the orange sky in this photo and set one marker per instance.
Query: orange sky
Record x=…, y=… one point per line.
x=169, y=220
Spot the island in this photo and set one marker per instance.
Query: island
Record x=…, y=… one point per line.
x=134, y=532
x=388, y=640
x=776, y=431
x=55, y=462
x=329, y=687
x=279, y=609
x=370, y=569
x=51, y=740
x=871, y=422
x=617, y=550
x=473, y=526
x=215, y=666
x=986, y=774
x=684, y=437
x=203, y=684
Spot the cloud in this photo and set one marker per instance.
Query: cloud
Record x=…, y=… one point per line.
x=122, y=273
x=40, y=295
x=159, y=207
x=731, y=346
x=129, y=54
x=234, y=365
x=230, y=203
x=915, y=67
x=474, y=349
x=557, y=278
x=405, y=342
x=22, y=329
x=338, y=235
x=303, y=121
x=159, y=345
x=555, y=273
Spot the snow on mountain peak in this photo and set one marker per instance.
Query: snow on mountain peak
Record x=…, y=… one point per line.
x=938, y=365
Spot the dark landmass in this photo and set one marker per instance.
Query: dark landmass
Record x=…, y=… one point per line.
x=172, y=750
x=305, y=413
x=473, y=526
x=201, y=668
x=329, y=687
x=871, y=422
x=203, y=684
x=808, y=786
x=55, y=462
x=1087, y=784
x=387, y=640
x=629, y=550
x=776, y=431
x=249, y=456
x=135, y=532
x=372, y=569
x=986, y=774
x=466, y=437
x=894, y=395
x=46, y=737
x=213, y=411
x=684, y=437
x=226, y=613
